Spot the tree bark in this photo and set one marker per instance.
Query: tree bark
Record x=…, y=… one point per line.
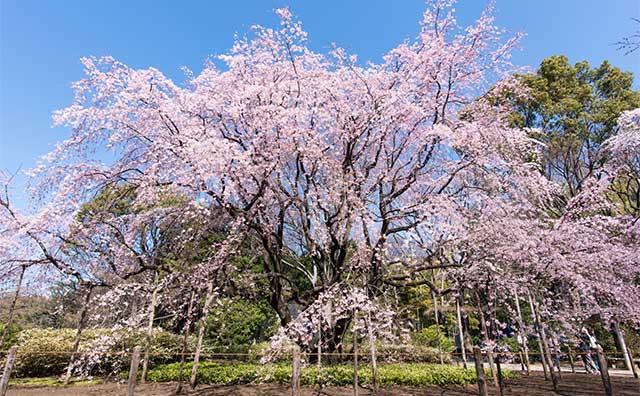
x=12, y=308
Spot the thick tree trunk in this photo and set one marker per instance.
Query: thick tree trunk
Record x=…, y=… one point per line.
x=12, y=308
x=76, y=342
x=185, y=340
x=202, y=325
x=333, y=343
x=152, y=314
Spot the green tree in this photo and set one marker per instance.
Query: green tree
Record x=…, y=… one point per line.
x=574, y=108
x=238, y=322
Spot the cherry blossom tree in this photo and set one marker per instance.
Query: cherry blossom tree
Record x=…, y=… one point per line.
x=361, y=179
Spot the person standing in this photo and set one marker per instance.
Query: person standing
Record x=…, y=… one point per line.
x=585, y=345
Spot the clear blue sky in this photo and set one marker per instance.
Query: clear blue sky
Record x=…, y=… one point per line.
x=42, y=41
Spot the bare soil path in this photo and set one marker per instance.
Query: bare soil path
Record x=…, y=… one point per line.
x=534, y=385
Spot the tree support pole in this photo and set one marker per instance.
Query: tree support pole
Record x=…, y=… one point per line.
x=76, y=342
x=461, y=333
x=202, y=325
x=604, y=372
x=6, y=374
x=133, y=371
x=185, y=340
x=482, y=379
x=12, y=309
x=152, y=313
x=545, y=346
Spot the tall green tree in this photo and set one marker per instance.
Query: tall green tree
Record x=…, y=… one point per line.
x=574, y=109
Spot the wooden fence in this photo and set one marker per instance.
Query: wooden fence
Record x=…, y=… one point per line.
x=296, y=362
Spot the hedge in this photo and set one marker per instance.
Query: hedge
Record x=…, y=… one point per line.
x=45, y=352
x=407, y=374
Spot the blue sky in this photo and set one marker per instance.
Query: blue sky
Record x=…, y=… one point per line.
x=41, y=43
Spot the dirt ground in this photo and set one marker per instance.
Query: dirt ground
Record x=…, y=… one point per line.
x=534, y=385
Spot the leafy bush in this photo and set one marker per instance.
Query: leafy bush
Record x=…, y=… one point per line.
x=42, y=352
x=11, y=336
x=45, y=352
x=408, y=374
x=429, y=337
x=240, y=323
x=408, y=353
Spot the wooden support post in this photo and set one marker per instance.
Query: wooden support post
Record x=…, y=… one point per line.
x=499, y=373
x=604, y=372
x=623, y=345
x=208, y=299
x=626, y=353
x=559, y=360
x=185, y=340
x=485, y=333
x=521, y=333
x=435, y=311
x=461, y=333
x=319, y=362
x=557, y=357
x=76, y=342
x=542, y=343
x=573, y=366
x=633, y=366
x=482, y=379
x=372, y=348
x=355, y=359
x=12, y=308
x=8, y=366
x=295, y=372
x=152, y=313
x=133, y=370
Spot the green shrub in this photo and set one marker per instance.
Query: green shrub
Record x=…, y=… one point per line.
x=407, y=374
x=11, y=336
x=45, y=352
x=408, y=353
x=42, y=352
x=239, y=322
x=429, y=337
